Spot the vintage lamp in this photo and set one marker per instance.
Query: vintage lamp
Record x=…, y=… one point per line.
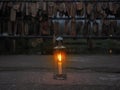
x=60, y=59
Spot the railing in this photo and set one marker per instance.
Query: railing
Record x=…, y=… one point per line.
x=66, y=37
x=60, y=0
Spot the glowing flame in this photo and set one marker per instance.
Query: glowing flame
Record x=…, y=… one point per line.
x=59, y=57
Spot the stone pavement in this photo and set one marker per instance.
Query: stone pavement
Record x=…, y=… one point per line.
x=33, y=72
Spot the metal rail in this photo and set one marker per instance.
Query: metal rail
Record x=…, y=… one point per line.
x=66, y=37
x=62, y=18
x=80, y=18
x=60, y=0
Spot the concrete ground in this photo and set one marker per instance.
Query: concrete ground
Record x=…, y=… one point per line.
x=35, y=72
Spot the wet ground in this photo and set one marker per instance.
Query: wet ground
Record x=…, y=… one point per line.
x=35, y=72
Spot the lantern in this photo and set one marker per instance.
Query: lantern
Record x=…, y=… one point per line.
x=60, y=60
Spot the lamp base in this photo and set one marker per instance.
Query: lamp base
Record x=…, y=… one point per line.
x=60, y=76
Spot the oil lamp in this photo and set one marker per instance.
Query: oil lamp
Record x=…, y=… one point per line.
x=60, y=59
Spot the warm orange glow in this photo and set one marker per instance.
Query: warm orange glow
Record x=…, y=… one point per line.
x=59, y=56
